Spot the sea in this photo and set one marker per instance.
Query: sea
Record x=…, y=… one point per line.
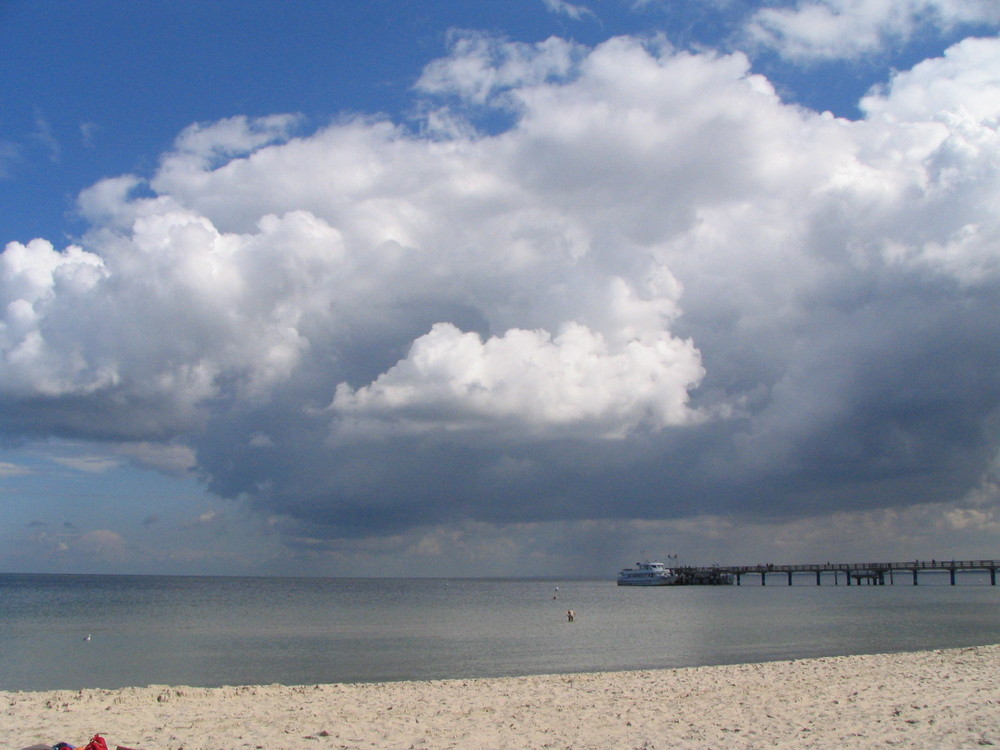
x=109, y=631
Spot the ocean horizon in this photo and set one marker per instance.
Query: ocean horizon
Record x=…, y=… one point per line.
x=72, y=631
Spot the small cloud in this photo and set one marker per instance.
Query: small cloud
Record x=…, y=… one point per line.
x=851, y=29
x=207, y=518
x=173, y=459
x=429, y=545
x=12, y=470
x=972, y=518
x=43, y=135
x=563, y=8
x=101, y=544
x=150, y=520
x=69, y=526
x=36, y=524
x=88, y=464
x=9, y=154
x=260, y=440
x=87, y=132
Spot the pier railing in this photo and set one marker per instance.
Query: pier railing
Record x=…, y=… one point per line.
x=874, y=573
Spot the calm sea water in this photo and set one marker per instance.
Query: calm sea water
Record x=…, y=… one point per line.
x=225, y=631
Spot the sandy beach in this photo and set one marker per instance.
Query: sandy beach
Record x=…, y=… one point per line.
x=931, y=699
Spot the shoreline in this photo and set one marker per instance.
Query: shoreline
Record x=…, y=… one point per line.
x=946, y=698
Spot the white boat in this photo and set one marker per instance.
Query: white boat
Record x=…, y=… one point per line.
x=647, y=574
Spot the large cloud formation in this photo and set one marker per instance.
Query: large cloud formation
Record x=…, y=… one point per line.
x=619, y=282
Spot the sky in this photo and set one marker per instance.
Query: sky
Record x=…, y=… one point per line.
x=532, y=288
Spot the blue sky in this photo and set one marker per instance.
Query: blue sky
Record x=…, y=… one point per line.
x=526, y=287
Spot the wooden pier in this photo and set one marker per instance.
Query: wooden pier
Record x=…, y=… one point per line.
x=870, y=573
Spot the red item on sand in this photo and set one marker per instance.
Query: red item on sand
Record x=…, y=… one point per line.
x=96, y=743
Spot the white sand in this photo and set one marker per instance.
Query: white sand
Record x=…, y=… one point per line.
x=931, y=699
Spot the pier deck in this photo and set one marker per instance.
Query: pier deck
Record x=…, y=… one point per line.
x=871, y=573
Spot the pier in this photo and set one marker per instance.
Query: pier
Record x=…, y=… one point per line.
x=869, y=573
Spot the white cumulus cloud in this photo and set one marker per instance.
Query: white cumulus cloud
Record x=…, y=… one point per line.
x=826, y=29
x=450, y=377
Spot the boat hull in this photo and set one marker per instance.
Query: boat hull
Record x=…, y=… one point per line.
x=661, y=582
